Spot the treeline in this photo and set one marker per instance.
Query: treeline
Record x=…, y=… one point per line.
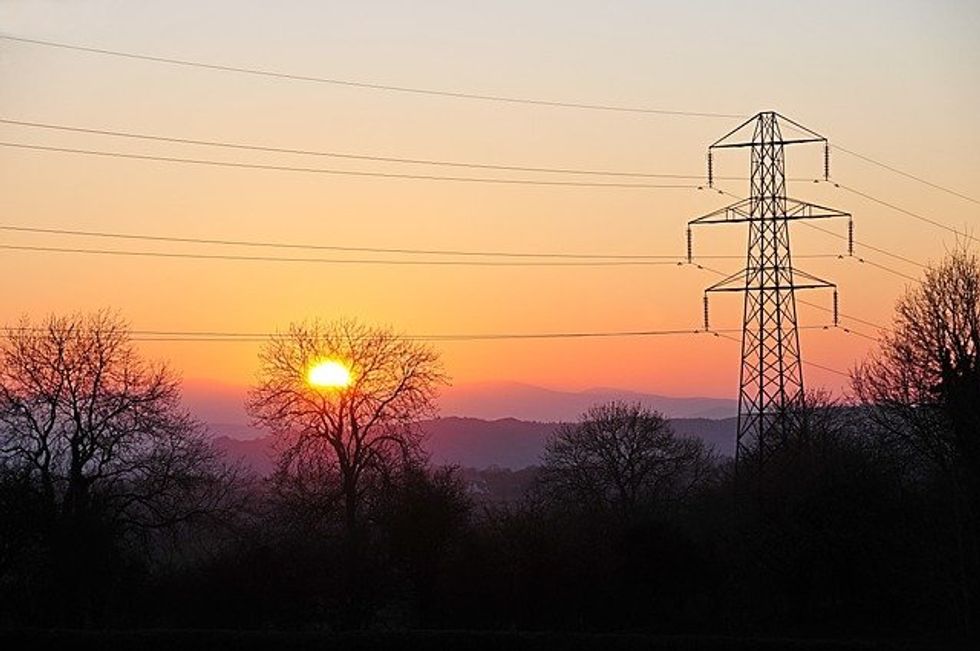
x=861, y=520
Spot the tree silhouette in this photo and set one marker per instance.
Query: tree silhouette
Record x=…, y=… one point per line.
x=92, y=424
x=925, y=378
x=94, y=439
x=620, y=457
x=922, y=390
x=340, y=441
x=335, y=443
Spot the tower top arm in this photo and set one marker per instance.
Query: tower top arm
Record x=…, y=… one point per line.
x=737, y=136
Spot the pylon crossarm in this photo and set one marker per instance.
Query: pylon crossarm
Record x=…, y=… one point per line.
x=796, y=209
x=815, y=283
x=808, y=135
x=732, y=283
x=741, y=211
x=736, y=212
x=720, y=141
x=790, y=141
x=767, y=288
x=801, y=128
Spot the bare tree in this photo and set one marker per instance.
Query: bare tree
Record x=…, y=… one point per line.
x=924, y=379
x=95, y=428
x=335, y=442
x=622, y=457
x=922, y=390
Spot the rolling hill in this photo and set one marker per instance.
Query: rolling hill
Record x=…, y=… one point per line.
x=471, y=442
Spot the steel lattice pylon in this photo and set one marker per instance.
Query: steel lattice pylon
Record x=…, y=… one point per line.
x=771, y=381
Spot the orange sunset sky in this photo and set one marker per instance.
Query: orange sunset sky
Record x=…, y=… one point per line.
x=896, y=81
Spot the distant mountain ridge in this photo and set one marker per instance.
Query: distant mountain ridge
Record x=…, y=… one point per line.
x=470, y=442
x=216, y=403
x=486, y=424
x=489, y=400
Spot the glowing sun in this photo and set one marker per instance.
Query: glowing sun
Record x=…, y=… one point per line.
x=328, y=374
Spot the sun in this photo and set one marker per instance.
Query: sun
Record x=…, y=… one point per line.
x=328, y=374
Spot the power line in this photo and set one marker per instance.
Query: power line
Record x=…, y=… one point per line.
x=347, y=155
x=366, y=85
x=858, y=333
x=365, y=157
x=320, y=170
x=825, y=368
x=892, y=168
x=676, y=261
x=176, y=337
x=866, y=245
x=258, y=337
x=212, y=336
x=245, y=338
x=894, y=272
x=452, y=94
x=364, y=249
x=803, y=361
x=368, y=261
x=905, y=211
x=846, y=316
x=330, y=247
x=908, y=175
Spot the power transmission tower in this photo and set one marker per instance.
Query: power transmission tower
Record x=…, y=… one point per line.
x=771, y=393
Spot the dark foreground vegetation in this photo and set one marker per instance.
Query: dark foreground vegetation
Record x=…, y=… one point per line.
x=116, y=514
x=261, y=640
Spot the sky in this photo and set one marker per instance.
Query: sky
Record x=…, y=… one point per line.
x=895, y=81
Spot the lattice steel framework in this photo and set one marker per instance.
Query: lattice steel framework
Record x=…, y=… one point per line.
x=771, y=383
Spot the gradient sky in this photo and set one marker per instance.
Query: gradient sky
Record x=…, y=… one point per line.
x=898, y=81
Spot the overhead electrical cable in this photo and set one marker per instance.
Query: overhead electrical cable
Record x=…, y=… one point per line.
x=905, y=211
x=829, y=369
x=254, y=337
x=352, y=261
x=365, y=249
x=348, y=155
x=446, y=93
x=226, y=337
x=866, y=245
x=893, y=169
x=907, y=175
x=858, y=333
x=882, y=267
x=849, y=317
x=183, y=336
x=364, y=84
x=320, y=170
